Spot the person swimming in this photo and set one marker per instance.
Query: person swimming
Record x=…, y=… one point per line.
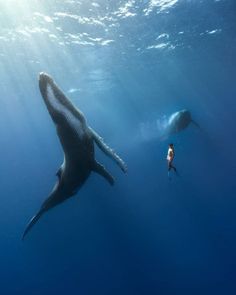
x=170, y=158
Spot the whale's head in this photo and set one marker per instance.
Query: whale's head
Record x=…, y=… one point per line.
x=44, y=81
x=44, y=77
x=184, y=117
x=179, y=121
x=69, y=120
x=49, y=90
x=58, y=105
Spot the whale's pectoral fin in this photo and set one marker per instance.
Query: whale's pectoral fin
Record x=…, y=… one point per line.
x=107, y=150
x=98, y=168
x=196, y=124
x=33, y=220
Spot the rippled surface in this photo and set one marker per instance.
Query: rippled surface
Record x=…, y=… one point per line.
x=141, y=25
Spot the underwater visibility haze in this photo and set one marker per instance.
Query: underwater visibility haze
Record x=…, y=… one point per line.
x=129, y=66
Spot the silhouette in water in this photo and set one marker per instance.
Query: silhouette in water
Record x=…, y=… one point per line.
x=164, y=127
x=179, y=121
x=77, y=140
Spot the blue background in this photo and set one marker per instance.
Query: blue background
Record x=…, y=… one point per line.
x=124, y=64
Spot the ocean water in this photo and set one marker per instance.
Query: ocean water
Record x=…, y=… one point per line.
x=127, y=65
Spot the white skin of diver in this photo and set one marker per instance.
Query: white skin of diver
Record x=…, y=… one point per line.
x=77, y=140
x=179, y=121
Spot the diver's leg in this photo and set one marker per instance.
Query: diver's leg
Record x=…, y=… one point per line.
x=169, y=168
x=174, y=168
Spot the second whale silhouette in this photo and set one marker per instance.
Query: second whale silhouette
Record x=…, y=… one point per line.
x=77, y=140
x=179, y=121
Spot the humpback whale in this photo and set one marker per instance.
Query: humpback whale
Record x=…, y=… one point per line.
x=166, y=126
x=179, y=121
x=77, y=140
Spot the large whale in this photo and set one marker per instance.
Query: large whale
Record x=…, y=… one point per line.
x=77, y=140
x=164, y=127
x=178, y=122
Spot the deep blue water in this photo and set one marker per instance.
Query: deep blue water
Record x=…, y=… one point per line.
x=125, y=64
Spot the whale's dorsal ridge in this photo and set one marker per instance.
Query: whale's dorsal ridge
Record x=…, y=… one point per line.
x=59, y=172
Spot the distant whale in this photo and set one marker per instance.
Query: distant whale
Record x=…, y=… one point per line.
x=165, y=126
x=77, y=140
x=178, y=122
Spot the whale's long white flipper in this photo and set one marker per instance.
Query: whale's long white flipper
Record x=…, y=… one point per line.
x=108, y=151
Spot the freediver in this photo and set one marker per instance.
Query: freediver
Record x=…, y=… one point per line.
x=170, y=158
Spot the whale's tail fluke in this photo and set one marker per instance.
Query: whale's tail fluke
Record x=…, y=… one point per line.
x=33, y=220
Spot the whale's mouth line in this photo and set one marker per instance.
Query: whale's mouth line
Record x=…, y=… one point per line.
x=59, y=109
x=52, y=99
x=49, y=90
